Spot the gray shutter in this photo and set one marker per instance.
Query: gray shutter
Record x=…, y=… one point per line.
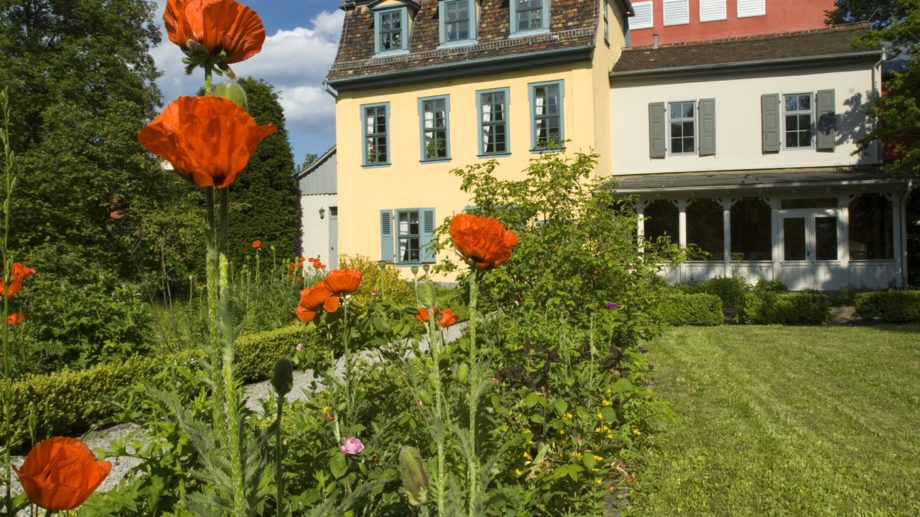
x=386, y=235
x=707, y=127
x=656, y=130
x=427, y=236
x=826, y=120
x=770, y=117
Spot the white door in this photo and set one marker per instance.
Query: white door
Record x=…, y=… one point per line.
x=809, y=242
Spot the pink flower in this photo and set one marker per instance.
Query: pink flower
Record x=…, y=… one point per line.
x=374, y=292
x=420, y=403
x=494, y=380
x=352, y=446
x=299, y=347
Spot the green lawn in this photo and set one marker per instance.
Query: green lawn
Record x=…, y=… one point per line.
x=793, y=421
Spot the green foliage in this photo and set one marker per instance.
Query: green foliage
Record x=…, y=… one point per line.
x=730, y=290
x=846, y=297
x=784, y=309
x=691, y=309
x=397, y=290
x=894, y=306
x=256, y=353
x=880, y=12
x=264, y=198
x=899, y=111
x=770, y=286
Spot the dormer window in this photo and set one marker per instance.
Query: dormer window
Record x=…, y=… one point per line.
x=529, y=17
x=391, y=28
x=457, y=22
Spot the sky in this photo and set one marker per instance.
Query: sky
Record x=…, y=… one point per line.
x=301, y=41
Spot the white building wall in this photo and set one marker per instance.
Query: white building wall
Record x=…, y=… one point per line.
x=738, y=118
x=315, y=231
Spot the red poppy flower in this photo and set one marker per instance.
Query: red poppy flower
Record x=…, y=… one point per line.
x=340, y=281
x=323, y=266
x=311, y=299
x=208, y=140
x=15, y=286
x=300, y=279
x=481, y=239
x=61, y=473
x=290, y=276
x=256, y=244
x=17, y=318
x=22, y=271
x=301, y=259
x=448, y=318
x=218, y=25
x=423, y=314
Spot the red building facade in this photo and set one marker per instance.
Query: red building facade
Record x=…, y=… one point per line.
x=681, y=21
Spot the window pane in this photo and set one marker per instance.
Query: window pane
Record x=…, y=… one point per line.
x=688, y=145
x=676, y=111
x=705, y=223
x=688, y=110
x=676, y=132
x=751, y=229
x=539, y=100
x=464, y=30
x=871, y=230
x=792, y=140
x=677, y=144
x=794, y=238
x=804, y=138
x=688, y=128
x=662, y=220
x=792, y=123
x=825, y=238
x=804, y=102
x=792, y=103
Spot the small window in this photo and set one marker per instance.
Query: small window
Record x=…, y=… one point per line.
x=644, y=18
x=871, y=228
x=546, y=116
x=493, y=121
x=457, y=22
x=712, y=10
x=375, y=126
x=797, y=111
x=751, y=224
x=606, y=22
x=662, y=220
x=676, y=12
x=748, y=8
x=391, y=30
x=407, y=225
x=705, y=221
x=529, y=15
x=435, y=131
x=333, y=211
x=683, y=127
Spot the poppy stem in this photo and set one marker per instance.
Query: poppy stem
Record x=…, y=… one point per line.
x=9, y=180
x=224, y=249
x=207, y=77
x=474, y=393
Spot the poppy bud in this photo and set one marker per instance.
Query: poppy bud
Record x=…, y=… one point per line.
x=196, y=49
x=433, y=379
x=426, y=293
x=414, y=477
x=463, y=372
x=283, y=378
x=232, y=91
x=414, y=270
x=425, y=396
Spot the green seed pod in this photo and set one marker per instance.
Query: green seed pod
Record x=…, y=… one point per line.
x=463, y=372
x=425, y=396
x=283, y=377
x=426, y=293
x=232, y=91
x=414, y=477
x=342, y=406
x=433, y=378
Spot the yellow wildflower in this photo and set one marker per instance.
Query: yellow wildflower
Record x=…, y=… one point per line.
x=598, y=481
x=606, y=403
x=517, y=472
x=636, y=431
x=600, y=416
x=597, y=458
x=527, y=455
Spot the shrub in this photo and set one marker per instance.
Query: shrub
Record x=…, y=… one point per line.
x=770, y=286
x=784, y=308
x=256, y=353
x=730, y=289
x=396, y=290
x=846, y=297
x=894, y=306
x=691, y=309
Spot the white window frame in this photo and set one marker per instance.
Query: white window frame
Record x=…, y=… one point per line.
x=403, y=25
x=760, y=12
x=423, y=129
x=638, y=6
x=442, y=24
x=716, y=18
x=675, y=21
x=544, y=20
x=811, y=125
x=696, y=129
x=532, y=97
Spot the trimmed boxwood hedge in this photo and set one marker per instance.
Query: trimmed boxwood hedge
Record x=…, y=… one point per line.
x=893, y=306
x=785, y=308
x=691, y=309
x=69, y=402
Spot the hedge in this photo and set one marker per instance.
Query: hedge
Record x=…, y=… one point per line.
x=893, y=306
x=691, y=309
x=69, y=402
x=785, y=308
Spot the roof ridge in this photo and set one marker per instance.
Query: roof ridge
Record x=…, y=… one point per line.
x=845, y=26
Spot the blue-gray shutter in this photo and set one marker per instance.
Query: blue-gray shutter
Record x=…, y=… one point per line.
x=656, y=130
x=826, y=120
x=707, y=127
x=769, y=104
x=386, y=235
x=427, y=234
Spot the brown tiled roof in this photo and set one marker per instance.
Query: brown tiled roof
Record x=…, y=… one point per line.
x=821, y=42
x=572, y=25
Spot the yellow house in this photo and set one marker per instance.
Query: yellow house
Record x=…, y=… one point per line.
x=424, y=88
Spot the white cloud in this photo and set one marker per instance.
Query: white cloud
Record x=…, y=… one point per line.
x=294, y=61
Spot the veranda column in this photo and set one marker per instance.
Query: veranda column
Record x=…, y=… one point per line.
x=777, y=228
x=727, y=233
x=899, y=243
x=682, y=232
x=843, y=230
x=640, y=225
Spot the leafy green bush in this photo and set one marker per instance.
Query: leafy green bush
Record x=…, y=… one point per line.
x=770, y=286
x=730, y=289
x=894, y=306
x=256, y=353
x=396, y=289
x=691, y=309
x=846, y=297
x=785, y=308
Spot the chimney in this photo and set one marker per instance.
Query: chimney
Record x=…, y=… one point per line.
x=655, y=46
